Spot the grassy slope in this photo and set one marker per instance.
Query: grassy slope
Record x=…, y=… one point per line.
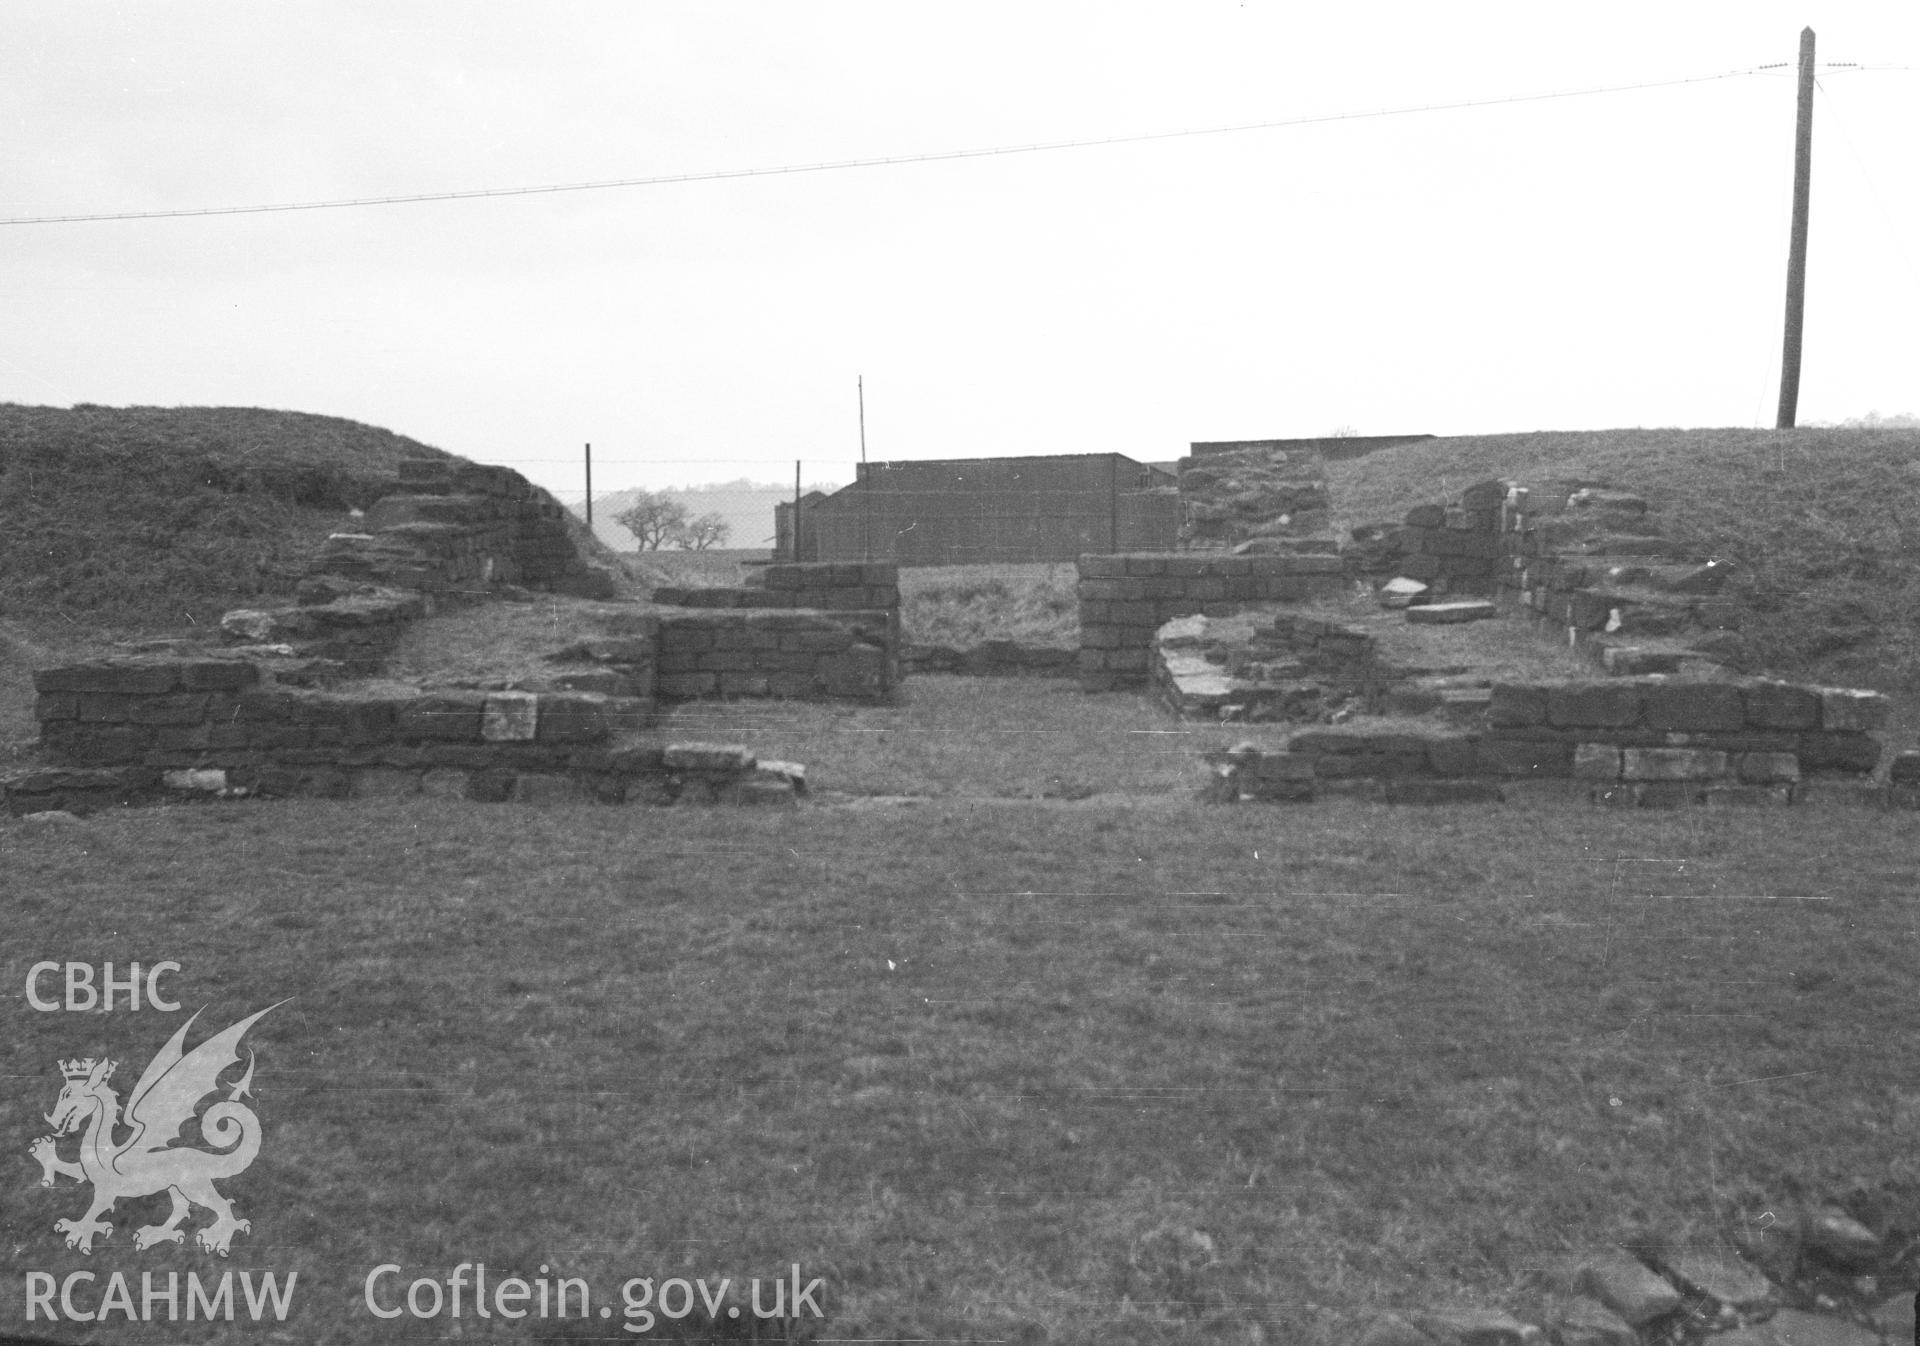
x=149, y=518
x=1829, y=561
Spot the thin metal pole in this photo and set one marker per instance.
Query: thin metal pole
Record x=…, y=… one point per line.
x=1797, y=248
x=866, y=500
x=1113, y=503
x=589, y=488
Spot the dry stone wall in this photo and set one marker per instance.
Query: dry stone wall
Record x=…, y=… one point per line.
x=1586, y=558
x=779, y=652
x=453, y=530
x=454, y=526
x=869, y=586
x=805, y=629
x=1125, y=599
x=1650, y=743
x=126, y=730
x=1235, y=490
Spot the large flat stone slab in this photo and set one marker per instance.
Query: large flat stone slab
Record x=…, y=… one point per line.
x=1447, y=614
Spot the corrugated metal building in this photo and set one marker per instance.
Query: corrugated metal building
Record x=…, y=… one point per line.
x=970, y=511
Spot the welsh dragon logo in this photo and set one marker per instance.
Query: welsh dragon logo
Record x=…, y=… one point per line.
x=148, y=1160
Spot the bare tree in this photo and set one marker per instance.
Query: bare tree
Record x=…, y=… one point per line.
x=653, y=519
x=703, y=532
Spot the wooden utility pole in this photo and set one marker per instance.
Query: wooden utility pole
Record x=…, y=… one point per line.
x=796, y=510
x=1797, y=249
x=589, y=488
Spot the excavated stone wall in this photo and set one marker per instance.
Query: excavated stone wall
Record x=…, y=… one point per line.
x=1649, y=743
x=1125, y=599
x=128, y=730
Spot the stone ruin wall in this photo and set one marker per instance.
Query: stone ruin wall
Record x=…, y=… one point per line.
x=1649, y=743
x=1234, y=491
x=1124, y=600
x=133, y=730
x=804, y=629
x=1577, y=555
x=1293, y=668
x=451, y=531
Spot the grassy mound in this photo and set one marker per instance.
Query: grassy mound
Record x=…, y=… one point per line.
x=143, y=518
x=1828, y=563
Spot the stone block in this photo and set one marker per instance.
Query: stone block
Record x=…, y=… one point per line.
x=1633, y=661
x=1767, y=768
x=1451, y=756
x=383, y=782
x=510, y=717
x=1426, y=516
x=544, y=788
x=105, y=707
x=688, y=684
x=446, y=783
x=1101, y=567
x=1289, y=766
x=1672, y=764
x=1779, y=705
x=1906, y=767
x=446, y=716
x=1839, y=752
x=1668, y=794
x=1499, y=756
x=1441, y=614
x=571, y=717
x=1746, y=796
x=1627, y=1287
x=124, y=676
x=1587, y=1322
x=1593, y=705
x=706, y=757
x=1515, y=704
x=203, y=780
x=1695, y=707
x=1417, y=791
x=1596, y=761
x=1851, y=710
x=728, y=661
x=174, y=708
x=1795, y=1327
x=56, y=706
x=760, y=790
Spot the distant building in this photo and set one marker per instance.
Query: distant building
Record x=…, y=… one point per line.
x=970, y=511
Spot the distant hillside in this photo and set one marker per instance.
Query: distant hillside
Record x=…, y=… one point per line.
x=145, y=518
x=1818, y=522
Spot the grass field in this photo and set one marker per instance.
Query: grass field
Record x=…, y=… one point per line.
x=1114, y=1072
x=1133, y=1068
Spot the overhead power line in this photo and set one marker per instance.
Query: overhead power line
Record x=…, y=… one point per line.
x=937, y=156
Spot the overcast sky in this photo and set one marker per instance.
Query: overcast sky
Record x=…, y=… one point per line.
x=1609, y=259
